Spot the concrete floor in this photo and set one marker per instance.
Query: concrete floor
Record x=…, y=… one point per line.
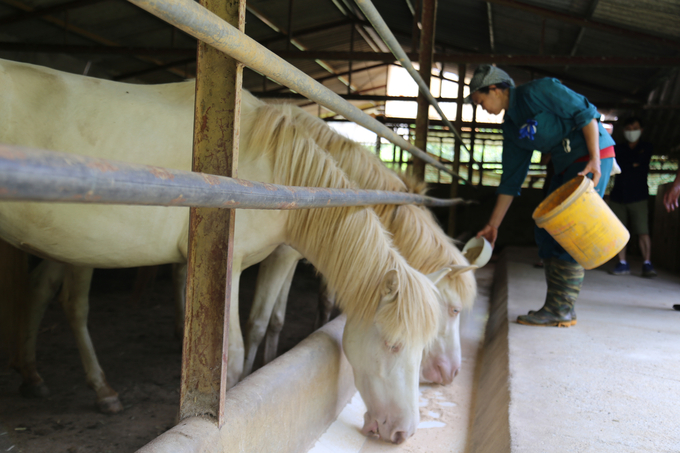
x=609, y=384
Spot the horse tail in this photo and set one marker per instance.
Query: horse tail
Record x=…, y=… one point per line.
x=14, y=291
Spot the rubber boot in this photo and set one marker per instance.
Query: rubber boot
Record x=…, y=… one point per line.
x=564, y=281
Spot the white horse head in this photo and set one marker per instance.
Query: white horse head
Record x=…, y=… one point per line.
x=386, y=366
x=443, y=357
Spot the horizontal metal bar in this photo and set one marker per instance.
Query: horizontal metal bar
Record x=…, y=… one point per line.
x=200, y=23
x=38, y=175
x=386, y=57
x=391, y=41
x=350, y=97
x=96, y=50
x=469, y=58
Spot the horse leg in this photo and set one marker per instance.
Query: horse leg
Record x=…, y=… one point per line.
x=41, y=286
x=179, y=286
x=271, y=344
x=326, y=303
x=74, y=300
x=235, y=354
x=271, y=278
x=45, y=281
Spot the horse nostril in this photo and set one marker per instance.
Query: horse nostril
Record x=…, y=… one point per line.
x=398, y=437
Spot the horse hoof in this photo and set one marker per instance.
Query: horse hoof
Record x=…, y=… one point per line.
x=110, y=405
x=29, y=390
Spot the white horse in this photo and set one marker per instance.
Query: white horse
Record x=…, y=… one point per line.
x=392, y=311
x=417, y=235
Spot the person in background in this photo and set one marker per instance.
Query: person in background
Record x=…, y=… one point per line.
x=630, y=195
x=544, y=115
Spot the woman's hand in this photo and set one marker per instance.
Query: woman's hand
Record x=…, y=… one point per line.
x=490, y=233
x=593, y=167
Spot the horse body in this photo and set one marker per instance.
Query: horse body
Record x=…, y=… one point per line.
x=391, y=308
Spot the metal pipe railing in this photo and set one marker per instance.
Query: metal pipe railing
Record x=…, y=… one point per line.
x=200, y=23
x=383, y=30
x=38, y=175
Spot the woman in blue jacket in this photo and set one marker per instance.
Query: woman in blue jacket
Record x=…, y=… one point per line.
x=545, y=116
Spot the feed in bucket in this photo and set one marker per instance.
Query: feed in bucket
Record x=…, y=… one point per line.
x=477, y=251
x=581, y=222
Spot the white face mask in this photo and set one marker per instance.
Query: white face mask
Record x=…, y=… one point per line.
x=632, y=136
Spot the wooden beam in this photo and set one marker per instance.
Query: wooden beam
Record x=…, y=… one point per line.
x=211, y=230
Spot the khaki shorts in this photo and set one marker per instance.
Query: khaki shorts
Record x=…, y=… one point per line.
x=636, y=214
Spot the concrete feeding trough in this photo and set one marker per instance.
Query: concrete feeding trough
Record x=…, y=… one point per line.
x=282, y=407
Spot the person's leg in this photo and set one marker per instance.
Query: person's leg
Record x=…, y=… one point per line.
x=564, y=276
x=639, y=214
x=645, y=247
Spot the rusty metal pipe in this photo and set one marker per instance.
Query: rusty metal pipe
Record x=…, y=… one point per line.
x=383, y=30
x=38, y=175
x=200, y=23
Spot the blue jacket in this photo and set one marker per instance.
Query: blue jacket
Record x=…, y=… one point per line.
x=560, y=114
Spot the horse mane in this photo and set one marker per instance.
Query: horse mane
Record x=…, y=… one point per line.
x=416, y=232
x=413, y=184
x=429, y=249
x=348, y=245
x=361, y=166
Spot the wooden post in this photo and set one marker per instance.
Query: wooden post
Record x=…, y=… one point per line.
x=456, y=151
x=216, y=136
x=426, y=53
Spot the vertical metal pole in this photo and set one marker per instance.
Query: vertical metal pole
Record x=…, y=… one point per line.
x=216, y=134
x=415, y=31
x=481, y=164
x=473, y=135
x=290, y=24
x=441, y=149
x=351, y=51
x=426, y=54
x=456, y=156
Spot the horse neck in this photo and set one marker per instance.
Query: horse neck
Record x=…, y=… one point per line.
x=415, y=232
x=348, y=245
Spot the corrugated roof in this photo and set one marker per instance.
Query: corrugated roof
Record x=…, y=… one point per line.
x=615, y=28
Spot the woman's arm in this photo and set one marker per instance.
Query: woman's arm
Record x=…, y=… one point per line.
x=490, y=231
x=592, y=136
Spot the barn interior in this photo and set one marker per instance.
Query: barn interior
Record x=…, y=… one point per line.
x=623, y=56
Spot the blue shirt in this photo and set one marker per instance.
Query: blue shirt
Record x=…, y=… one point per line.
x=630, y=185
x=560, y=114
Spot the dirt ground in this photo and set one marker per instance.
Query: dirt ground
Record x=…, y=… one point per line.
x=141, y=357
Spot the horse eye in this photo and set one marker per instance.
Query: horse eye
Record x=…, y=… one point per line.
x=453, y=311
x=393, y=348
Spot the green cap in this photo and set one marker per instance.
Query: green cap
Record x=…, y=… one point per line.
x=486, y=75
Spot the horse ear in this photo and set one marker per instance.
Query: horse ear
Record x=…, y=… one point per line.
x=438, y=275
x=390, y=284
x=458, y=269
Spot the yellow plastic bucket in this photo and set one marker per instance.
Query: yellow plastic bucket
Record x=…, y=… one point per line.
x=581, y=222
